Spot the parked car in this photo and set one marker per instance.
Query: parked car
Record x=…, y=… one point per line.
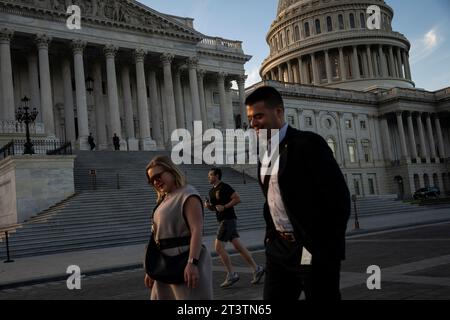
x=428, y=192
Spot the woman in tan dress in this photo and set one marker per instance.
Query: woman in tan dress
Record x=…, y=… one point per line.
x=179, y=213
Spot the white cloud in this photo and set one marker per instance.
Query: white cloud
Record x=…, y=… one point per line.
x=253, y=77
x=422, y=48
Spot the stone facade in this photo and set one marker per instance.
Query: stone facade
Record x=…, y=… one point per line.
x=150, y=73
x=31, y=184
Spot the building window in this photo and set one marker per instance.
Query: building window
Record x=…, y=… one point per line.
x=363, y=125
x=297, y=33
x=371, y=186
x=216, y=98
x=281, y=41
x=329, y=24
x=308, y=122
x=318, y=28
x=357, y=187
x=362, y=17
x=307, y=33
x=348, y=124
x=288, y=37
x=291, y=121
x=366, y=150
x=328, y=123
x=352, y=152
x=341, y=22
x=352, y=21
x=332, y=145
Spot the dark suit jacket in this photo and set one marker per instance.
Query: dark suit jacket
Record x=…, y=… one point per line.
x=314, y=193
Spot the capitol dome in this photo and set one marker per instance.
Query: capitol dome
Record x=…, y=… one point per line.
x=328, y=43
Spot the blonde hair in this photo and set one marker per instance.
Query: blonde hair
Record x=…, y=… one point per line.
x=169, y=166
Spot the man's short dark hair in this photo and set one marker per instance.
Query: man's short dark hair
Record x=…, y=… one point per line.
x=269, y=95
x=216, y=172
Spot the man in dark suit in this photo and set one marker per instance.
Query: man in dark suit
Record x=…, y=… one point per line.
x=307, y=208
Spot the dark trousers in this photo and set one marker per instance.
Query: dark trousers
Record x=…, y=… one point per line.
x=286, y=278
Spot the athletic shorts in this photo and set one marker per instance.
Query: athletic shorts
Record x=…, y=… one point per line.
x=227, y=231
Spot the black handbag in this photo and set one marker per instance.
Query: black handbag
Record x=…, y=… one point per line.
x=164, y=268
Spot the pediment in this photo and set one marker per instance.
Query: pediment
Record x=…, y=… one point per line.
x=117, y=13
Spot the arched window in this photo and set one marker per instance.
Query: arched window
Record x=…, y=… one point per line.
x=318, y=29
x=341, y=22
x=307, y=33
x=281, y=41
x=329, y=24
x=297, y=33
x=352, y=21
x=288, y=37
x=362, y=17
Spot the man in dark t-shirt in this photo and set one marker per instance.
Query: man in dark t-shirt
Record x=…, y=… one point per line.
x=222, y=199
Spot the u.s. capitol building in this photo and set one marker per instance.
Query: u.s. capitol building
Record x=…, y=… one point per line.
x=353, y=86
x=129, y=70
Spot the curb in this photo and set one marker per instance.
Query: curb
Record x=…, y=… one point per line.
x=251, y=248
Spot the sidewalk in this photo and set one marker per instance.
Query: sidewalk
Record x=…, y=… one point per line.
x=40, y=269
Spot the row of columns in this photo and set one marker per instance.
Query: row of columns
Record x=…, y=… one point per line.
x=386, y=66
x=411, y=152
x=39, y=72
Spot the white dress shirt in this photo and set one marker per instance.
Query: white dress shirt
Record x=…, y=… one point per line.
x=275, y=202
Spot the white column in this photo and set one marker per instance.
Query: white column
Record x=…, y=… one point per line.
x=387, y=138
x=370, y=61
x=391, y=62
x=33, y=82
x=440, y=137
x=372, y=134
x=316, y=80
x=230, y=110
x=301, y=71
x=280, y=73
x=80, y=85
x=342, y=64
x=155, y=108
x=69, y=114
x=223, y=101
x=193, y=84
x=412, y=138
x=401, y=131
x=328, y=67
x=146, y=141
x=178, y=92
x=7, y=99
x=42, y=42
x=241, y=87
x=345, y=158
x=167, y=59
x=133, y=144
x=383, y=64
x=407, y=66
x=201, y=93
x=113, y=97
x=290, y=74
x=358, y=139
x=431, y=137
x=99, y=107
x=423, y=146
x=356, y=71
x=399, y=63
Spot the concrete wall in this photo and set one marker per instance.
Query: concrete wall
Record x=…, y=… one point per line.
x=31, y=184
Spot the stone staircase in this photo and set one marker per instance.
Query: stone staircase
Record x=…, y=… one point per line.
x=108, y=216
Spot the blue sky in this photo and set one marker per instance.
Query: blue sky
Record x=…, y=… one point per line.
x=426, y=23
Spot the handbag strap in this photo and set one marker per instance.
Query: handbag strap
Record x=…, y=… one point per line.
x=164, y=244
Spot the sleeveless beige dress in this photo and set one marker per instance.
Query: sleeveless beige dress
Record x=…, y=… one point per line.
x=170, y=223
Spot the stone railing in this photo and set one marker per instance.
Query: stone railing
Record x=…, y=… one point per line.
x=14, y=127
x=409, y=93
x=316, y=91
x=221, y=44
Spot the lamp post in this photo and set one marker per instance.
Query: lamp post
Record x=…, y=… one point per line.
x=22, y=115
